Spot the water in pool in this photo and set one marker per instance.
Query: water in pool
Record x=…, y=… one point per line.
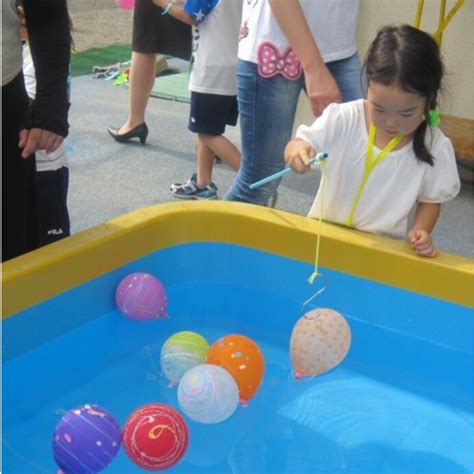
x=400, y=402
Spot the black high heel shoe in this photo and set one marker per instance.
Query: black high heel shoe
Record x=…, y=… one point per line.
x=140, y=131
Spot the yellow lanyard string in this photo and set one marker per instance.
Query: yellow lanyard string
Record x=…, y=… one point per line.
x=370, y=164
x=322, y=185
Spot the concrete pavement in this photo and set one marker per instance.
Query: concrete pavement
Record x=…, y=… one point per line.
x=108, y=179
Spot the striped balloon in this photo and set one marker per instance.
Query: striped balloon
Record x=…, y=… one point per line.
x=155, y=436
x=181, y=352
x=208, y=394
x=141, y=296
x=86, y=440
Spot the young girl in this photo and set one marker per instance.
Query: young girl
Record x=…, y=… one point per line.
x=386, y=154
x=213, y=87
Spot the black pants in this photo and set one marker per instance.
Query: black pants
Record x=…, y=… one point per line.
x=19, y=213
x=53, y=214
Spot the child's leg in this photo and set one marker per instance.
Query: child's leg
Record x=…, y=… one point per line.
x=209, y=115
x=205, y=163
x=215, y=145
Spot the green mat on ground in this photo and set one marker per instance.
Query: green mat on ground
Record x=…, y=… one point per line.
x=83, y=62
x=172, y=87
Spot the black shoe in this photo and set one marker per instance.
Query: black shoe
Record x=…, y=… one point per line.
x=140, y=131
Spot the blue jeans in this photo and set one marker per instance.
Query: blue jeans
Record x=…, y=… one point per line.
x=267, y=109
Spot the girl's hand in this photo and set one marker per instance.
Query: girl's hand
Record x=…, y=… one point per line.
x=298, y=154
x=421, y=243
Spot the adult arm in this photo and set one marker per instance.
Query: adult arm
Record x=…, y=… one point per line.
x=45, y=124
x=321, y=87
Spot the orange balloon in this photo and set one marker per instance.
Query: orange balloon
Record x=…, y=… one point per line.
x=242, y=358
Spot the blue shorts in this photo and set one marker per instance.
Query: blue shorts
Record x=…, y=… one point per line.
x=210, y=113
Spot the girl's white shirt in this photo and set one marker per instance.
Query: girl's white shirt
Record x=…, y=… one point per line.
x=394, y=186
x=333, y=24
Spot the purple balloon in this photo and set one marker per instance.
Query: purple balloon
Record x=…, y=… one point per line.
x=141, y=296
x=86, y=440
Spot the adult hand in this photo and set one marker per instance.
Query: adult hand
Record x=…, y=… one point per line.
x=38, y=139
x=321, y=89
x=421, y=243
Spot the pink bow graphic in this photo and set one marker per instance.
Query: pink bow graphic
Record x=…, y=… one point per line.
x=271, y=62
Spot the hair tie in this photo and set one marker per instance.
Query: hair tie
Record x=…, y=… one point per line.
x=434, y=118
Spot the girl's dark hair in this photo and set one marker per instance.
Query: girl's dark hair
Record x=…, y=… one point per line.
x=408, y=57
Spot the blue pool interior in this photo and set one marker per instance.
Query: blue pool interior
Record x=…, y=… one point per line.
x=401, y=401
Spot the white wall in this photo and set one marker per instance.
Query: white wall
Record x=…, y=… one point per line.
x=457, y=47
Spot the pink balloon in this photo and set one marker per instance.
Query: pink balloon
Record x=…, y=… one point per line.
x=141, y=296
x=125, y=4
x=319, y=342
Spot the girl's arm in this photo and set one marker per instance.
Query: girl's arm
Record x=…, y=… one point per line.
x=420, y=235
x=321, y=87
x=176, y=11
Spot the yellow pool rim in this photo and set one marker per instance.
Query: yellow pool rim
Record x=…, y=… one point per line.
x=49, y=271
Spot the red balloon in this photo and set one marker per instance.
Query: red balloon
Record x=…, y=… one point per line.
x=155, y=436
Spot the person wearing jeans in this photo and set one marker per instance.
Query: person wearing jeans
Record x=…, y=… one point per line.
x=286, y=46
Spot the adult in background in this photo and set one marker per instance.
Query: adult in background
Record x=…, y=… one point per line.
x=285, y=46
x=27, y=128
x=152, y=33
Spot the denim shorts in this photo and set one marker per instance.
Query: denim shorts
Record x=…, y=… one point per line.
x=210, y=113
x=267, y=108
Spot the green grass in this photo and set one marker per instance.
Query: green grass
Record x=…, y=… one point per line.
x=169, y=85
x=83, y=62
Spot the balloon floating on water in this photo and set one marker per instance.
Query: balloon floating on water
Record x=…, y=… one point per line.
x=319, y=342
x=208, y=394
x=155, y=436
x=86, y=439
x=141, y=296
x=242, y=358
x=181, y=352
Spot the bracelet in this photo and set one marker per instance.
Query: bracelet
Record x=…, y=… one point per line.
x=168, y=7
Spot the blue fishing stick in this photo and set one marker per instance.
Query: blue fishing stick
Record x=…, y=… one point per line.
x=320, y=157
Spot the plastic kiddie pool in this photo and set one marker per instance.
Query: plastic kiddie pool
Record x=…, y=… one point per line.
x=400, y=402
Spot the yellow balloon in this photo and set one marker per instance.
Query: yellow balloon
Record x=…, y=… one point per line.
x=319, y=342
